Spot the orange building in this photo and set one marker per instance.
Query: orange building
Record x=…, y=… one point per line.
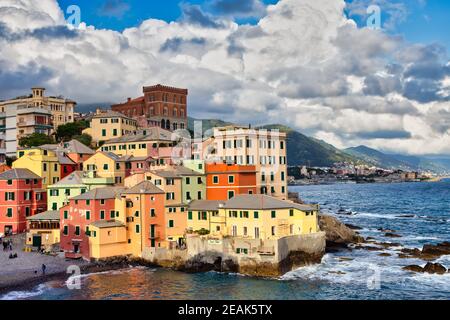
x=224, y=181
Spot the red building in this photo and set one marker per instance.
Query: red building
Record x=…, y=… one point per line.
x=21, y=196
x=224, y=181
x=161, y=106
x=95, y=205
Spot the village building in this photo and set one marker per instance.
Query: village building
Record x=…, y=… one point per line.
x=43, y=230
x=160, y=106
x=253, y=217
x=21, y=196
x=47, y=161
x=76, y=183
x=224, y=181
x=264, y=149
x=107, y=125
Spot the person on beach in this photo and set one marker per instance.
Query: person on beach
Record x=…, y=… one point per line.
x=43, y=269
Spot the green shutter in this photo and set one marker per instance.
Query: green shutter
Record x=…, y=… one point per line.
x=190, y=215
x=171, y=224
x=256, y=215
x=274, y=214
x=88, y=215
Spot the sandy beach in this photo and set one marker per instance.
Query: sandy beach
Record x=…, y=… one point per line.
x=27, y=268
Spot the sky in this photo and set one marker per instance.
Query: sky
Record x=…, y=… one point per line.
x=313, y=65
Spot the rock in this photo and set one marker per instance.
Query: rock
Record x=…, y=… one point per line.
x=392, y=235
x=434, y=268
x=387, y=244
x=386, y=230
x=406, y=216
x=414, y=268
x=368, y=248
x=353, y=227
x=437, y=250
x=337, y=233
x=384, y=254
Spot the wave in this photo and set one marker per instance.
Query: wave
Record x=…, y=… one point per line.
x=21, y=295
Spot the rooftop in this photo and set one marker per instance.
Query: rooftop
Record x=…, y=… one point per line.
x=205, y=205
x=47, y=215
x=18, y=174
x=145, y=187
x=101, y=194
x=107, y=224
x=263, y=202
x=110, y=114
x=75, y=178
x=149, y=134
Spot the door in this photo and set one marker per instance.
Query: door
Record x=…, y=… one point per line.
x=76, y=248
x=37, y=240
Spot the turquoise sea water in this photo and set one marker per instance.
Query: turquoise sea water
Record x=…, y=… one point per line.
x=419, y=212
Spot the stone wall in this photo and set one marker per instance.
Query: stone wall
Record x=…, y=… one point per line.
x=247, y=256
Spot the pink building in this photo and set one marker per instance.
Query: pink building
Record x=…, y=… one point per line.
x=21, y=196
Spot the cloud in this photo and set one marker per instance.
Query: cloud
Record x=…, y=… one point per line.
x=114, y=8
x=304, y=64
x=194, y=14
x=237, y=8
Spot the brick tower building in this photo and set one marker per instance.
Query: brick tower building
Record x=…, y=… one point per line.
x=161, y=106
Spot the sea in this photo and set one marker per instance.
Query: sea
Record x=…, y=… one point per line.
x=418, y=212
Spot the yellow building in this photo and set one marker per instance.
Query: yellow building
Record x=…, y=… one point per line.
x=108, y=239
x=105, y=165
x=45, y=161
x=43, y=229
x=155, y=142
x=61, y=109
x=253, y=217
x=109, y=125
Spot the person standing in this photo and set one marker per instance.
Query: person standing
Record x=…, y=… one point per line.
x=44, y=267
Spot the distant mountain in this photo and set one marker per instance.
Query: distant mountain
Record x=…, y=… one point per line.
x=91, y=107
x=400, y=162
x=303, y=150
x=207, y=124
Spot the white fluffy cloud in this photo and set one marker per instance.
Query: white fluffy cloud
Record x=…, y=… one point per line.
x=305, y=64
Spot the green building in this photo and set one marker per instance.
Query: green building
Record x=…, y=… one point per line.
x=73, y=185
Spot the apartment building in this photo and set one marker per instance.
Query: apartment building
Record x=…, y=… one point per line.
x=264, y=149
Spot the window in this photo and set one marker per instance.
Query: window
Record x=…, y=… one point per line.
x=105, y=166
x=55, y=167
x=216, y=179
x=273, y=231
x=44, y=165
x=88, y=232
x=88, y=202
x=88, y=215
x=102, y=215
x=171, y=224
x=138, y=228
x=231, y=179
x=102, y=202
x=103, y=132
x=199, y=195
x=274, y=214
x=115, y=132
x=256, y=233
x=112, y=214
x=256, y=215
x=190, y=215
x=66, y=215
x=77, y=230
x=188, y=196
x=291, y=213
x=230, y=194
x=152, y=213
x=10, y=182
x=136, y=214
x=188, y=180
x=10, y=196
x=66, y=230
x=9, y=213
x=67, y=192
x=245, y=231
x=199, y=180
x=27, y=195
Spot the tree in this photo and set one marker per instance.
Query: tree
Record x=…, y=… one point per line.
x=84, y=139
x=68, y=131
x=36, y=140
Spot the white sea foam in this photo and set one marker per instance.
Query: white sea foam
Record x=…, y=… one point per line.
x=20, y=295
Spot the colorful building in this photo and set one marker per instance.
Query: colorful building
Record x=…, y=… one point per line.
x=253, y=217
x=47, y=162
x=264, y=149
x=61, y=109
x=21, y=196
x=160, y=106
x=83, y=210
x=106, y=125
x=76, y=183
x=152, y=142
x=43, y=229
x=77, y=152
x=224, y=181
x=106, y=165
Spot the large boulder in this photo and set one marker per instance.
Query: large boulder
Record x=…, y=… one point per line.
x=437, y=250
x=337, y=233
x=433, y=268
